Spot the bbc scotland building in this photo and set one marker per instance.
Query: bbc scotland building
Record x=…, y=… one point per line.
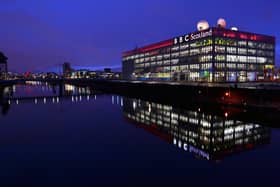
x=212, y=54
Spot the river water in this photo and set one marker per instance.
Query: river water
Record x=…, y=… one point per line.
x=83, y=137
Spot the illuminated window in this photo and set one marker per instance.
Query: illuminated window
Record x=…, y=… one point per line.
x=204, y=42
x=184, y=46
x=194, y=75
x=241, y=66
x=222, y=41
x=184, y=67
x=220, y=58
x=252, y=67
x=175, y=55
x=242, y=58
x=166, y=62
x=232, y=58
x=194, y=66
x=166, y=56
x=193, y=45
x=261, y=60
x=147, y=59
x=206, y=58
x=252, y=44
x=206, y=66
x=252, y=59
x=252, y=51
x=194, y=51
x=184, y=53
x=220, y=49
x=231, y=66
x=219, y=65
x=176, y=48
x=242, y=43
x=219, y=76
x=242, y=51
x=265, y=46
x=206, y=50
x=231, y=50
x=159, y=57
x=174, y=61
x=153, y=64
x=159, y=63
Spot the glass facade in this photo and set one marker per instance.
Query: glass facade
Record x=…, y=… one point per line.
x=214, y=55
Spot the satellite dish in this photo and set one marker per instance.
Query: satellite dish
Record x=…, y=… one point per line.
x=202, y=25
x=234, y=28
x=221, y=23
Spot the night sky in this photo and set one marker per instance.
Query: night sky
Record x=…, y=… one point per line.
x=39, y=35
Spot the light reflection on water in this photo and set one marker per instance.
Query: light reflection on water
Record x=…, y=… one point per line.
x=100, y=137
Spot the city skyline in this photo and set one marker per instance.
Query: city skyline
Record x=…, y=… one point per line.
x=38, y=36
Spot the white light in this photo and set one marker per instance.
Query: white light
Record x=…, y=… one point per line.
x=174, y=141
x=234, y=28
x=134, y=105
x=185, y=146
x=202, y=25
x=179, y=144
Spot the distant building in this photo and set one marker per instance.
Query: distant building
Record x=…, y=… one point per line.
x=67, y=70
x=3, y=66
x=88, y=74
x=107, y=70
x=211, y=54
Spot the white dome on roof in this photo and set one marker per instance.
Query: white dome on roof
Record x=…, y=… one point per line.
x=202, y=25
x=234, y=28
x=222, y=23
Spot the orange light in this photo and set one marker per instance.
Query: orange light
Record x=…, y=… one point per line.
x=227, y=94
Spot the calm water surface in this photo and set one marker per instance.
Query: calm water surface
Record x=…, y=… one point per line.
x=85, y=138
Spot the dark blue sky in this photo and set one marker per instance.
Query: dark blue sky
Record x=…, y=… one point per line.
x=39, y=35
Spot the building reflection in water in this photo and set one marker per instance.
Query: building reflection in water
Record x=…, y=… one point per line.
x=206, y=135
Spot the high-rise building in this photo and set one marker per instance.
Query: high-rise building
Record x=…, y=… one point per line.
x=3, y=66
x=67, y=70
x=214, y=54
